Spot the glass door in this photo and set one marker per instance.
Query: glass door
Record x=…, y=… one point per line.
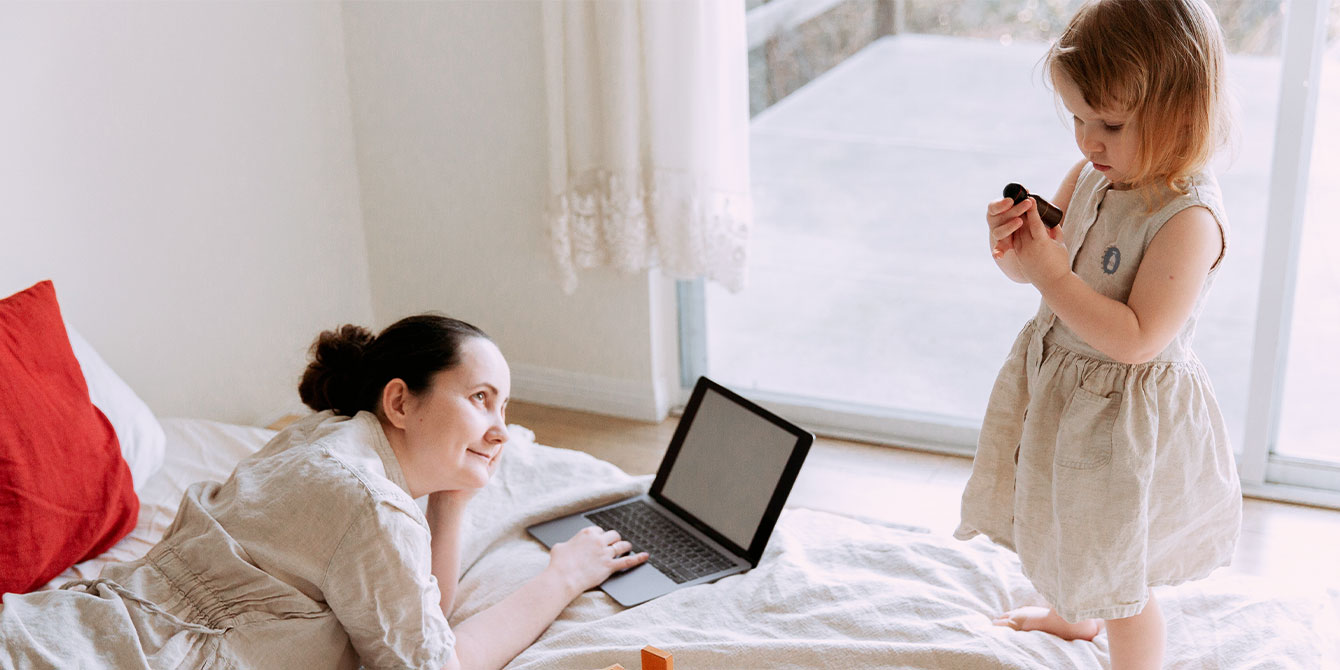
x=1311, y=394
x=874, y=310
x=1293, y=448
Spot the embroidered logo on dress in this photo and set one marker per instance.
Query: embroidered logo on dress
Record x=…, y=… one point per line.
x=1111, y=260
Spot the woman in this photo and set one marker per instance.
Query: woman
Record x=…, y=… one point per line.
x=314, y=554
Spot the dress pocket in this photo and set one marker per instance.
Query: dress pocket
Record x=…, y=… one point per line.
x=1084, y=438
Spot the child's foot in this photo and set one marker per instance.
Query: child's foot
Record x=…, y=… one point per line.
x=1048, y=621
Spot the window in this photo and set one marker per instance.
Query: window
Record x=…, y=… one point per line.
x=873, y=309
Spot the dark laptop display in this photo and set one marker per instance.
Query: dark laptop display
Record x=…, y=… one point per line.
x=714, y=503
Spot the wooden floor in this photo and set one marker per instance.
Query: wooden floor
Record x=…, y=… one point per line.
x=1296, y=545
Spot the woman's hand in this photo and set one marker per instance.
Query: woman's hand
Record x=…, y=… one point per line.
x=590, y=557
x=446, y=513
x=492, y=638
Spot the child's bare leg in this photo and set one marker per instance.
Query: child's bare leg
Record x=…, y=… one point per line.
x=1136, y=643
x=1048, y=621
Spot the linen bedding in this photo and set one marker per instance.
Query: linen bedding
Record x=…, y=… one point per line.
x=195, y=450
x=831, y=591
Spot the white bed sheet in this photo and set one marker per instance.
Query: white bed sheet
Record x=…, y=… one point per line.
x=831, y=592
x=196, y=450
x=837, y=592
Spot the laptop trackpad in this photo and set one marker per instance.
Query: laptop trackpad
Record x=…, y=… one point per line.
x=638, y=585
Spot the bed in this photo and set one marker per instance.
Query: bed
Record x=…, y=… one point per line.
x=831, y=591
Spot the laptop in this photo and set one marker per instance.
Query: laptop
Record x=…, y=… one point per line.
x=715, y=500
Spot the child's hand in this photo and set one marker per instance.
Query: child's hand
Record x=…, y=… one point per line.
x=591, y=556
x=1041, y=257
x=1003, y=218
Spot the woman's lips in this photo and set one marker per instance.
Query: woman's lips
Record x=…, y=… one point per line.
x=1101, y=168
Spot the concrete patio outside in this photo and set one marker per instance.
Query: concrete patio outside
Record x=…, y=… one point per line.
x=869, y=276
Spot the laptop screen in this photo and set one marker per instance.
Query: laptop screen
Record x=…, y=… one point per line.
x=728, y=467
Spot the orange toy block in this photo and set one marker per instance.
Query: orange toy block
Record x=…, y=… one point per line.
x=655, y=659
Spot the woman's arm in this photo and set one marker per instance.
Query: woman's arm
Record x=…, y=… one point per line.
x=492, y=638
x=446, y=514
x=1169, y=280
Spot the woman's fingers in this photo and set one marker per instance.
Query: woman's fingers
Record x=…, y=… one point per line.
x=613, y=542
x=619, y=557
x=630, y=561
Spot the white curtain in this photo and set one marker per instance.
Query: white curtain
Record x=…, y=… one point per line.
x=648, y=137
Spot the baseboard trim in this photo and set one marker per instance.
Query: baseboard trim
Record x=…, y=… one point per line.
x=623, y=398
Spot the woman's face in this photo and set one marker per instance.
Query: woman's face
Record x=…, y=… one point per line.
x=454, y=430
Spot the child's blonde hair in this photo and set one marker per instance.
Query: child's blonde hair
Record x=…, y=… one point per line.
x=1163, y=62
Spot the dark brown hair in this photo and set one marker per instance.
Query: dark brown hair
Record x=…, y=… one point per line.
x=349, y=366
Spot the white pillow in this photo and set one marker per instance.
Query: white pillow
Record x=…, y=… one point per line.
x=137, y=429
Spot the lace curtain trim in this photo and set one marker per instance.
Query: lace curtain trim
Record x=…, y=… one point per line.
x=632, y=221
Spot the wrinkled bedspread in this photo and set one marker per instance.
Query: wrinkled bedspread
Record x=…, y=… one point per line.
x=837, y=592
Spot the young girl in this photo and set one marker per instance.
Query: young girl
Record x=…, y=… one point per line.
x=1103, y=460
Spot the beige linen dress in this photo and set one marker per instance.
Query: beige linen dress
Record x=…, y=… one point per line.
x=311, y=555
x=1107, y=478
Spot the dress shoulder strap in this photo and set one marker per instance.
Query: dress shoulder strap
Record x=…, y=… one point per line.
x=1202, y=191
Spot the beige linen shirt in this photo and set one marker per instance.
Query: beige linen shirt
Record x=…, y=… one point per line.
x=311, y=555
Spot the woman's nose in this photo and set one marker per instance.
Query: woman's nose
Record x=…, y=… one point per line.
x=497, y=433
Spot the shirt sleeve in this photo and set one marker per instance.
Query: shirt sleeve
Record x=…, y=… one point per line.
x=381, y=587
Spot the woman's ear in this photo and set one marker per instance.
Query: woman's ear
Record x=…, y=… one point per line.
x=395, y=400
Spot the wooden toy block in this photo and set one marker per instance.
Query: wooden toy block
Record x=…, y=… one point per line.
x=655, y=659
x=616, y=666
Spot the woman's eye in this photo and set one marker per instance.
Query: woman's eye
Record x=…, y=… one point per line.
x=480, y=396
x=1112, y=128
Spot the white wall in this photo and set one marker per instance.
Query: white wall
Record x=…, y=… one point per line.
x=449, y=116
x=185, y=173
x=189, y=175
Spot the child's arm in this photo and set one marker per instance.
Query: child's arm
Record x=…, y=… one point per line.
x=1166, y=286
x=1004, y=219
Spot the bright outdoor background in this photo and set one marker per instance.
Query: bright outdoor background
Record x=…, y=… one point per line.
x=882, y=129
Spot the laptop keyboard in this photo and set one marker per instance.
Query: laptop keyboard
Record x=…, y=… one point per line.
x=679, y=555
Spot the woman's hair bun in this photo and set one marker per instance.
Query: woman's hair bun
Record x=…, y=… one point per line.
x=335, y=378
x=351, y=367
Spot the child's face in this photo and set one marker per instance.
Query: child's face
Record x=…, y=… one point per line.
x=1107, y=138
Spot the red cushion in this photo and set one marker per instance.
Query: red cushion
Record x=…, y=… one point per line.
x=65, y=491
